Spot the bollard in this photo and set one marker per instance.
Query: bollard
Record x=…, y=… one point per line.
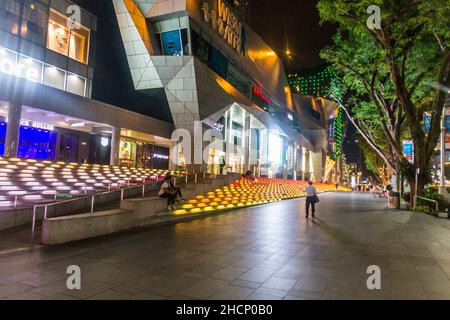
x=92, y=204
x=143, y=190
x=121, y=194
x=33, y=227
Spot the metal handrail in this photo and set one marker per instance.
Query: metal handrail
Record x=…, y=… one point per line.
x=121, y=190
x=429, y=200
x=45, y=206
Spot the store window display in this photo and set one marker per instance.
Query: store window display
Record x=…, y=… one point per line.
x=127, y=153
x=73, y=43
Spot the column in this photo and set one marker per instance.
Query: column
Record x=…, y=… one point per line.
x=115, y=146
x=13, y=129
x=229, y=146
x=247, y=135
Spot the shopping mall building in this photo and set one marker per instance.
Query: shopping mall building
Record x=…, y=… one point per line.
x=113, y=87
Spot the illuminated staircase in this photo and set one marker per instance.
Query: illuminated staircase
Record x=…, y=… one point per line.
x=245, y=193
x=28, y=182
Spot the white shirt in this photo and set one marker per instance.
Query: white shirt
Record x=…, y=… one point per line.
x=310, y=191
x=164, y=187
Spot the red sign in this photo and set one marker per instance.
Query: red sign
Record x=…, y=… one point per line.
x=259, y=92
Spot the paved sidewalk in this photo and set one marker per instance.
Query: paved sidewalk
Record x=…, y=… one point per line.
x=269, y=252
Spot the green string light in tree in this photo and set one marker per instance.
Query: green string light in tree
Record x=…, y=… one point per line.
x=337, y=123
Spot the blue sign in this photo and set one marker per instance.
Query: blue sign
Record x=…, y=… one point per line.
x=408, y=150
x=427, y=123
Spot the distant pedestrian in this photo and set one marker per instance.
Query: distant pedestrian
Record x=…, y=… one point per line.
x=248, y=175
x=222, y=166
x=311, y=199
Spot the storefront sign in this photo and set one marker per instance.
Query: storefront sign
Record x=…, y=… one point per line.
x=104, y=142
x=259, y=92
x=160, y=156
x=218, y=127
x=37, y=125
x=27, y=68
x=226, y=23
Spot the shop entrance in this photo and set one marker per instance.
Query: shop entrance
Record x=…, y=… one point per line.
x=37, y=143
x=68, y=148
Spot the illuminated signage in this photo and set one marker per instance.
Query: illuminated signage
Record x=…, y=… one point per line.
x=24, y=67
x=289, y=115
x=37, y=125
x=104, y=142
x=226, y=23
x=218, y=126
x=259, y=92
x=161, y=156
x=21, y=66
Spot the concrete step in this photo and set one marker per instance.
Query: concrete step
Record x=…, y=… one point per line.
x=84, y=226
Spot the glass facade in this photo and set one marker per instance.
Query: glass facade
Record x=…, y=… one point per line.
x=99, y=149
x=9, y=15
x=206, y=51
x=34, y=143
x=141, y=154
x=172, y=35
x=34, y=70
x=34, y=21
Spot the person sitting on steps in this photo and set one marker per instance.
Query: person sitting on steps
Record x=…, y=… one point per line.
x=170, y=192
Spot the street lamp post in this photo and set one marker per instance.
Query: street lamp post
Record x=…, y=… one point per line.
x=443, y=131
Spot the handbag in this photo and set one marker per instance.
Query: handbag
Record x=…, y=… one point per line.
x=316, y=199
x=172, y=190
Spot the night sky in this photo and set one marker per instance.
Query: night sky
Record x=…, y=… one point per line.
x=292, y=24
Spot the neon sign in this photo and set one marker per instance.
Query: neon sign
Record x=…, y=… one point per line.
x=259, y=92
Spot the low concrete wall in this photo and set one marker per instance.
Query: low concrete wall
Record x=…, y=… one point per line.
x=84, y=226
x=22, y=216
x=133, y=213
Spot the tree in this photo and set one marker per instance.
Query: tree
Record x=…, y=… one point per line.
x=369, y=100
x=375, y=164
x=411, y=49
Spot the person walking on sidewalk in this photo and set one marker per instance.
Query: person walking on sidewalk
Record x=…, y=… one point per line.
x=311, y=199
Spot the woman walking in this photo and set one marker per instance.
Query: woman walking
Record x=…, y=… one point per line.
x=311, y=199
